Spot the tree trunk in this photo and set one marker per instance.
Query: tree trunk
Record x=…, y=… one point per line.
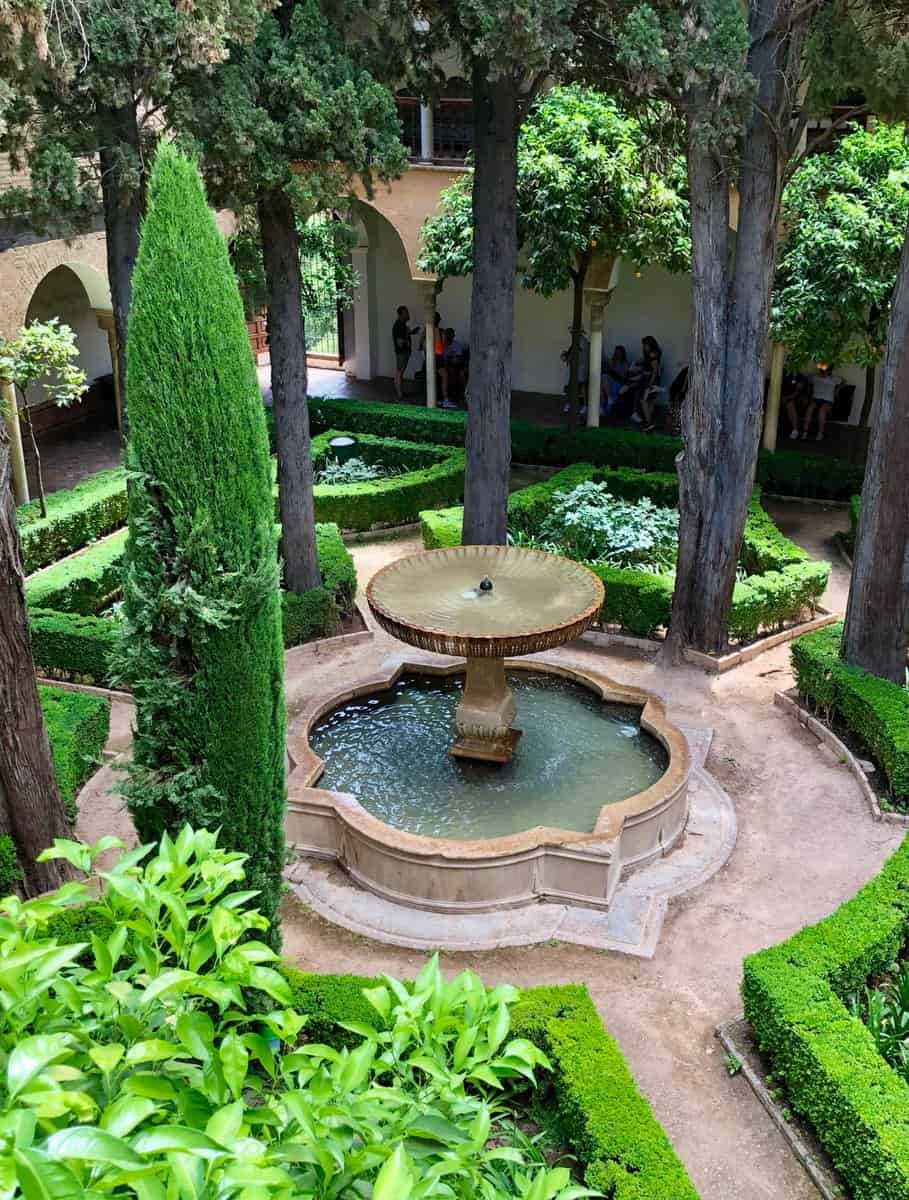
x=495, y=147
x=287, y=343
x=876, y=634
x=723, y=412
x=26, y=413
x=124, y=206
x=31, y=811
x=579, y=277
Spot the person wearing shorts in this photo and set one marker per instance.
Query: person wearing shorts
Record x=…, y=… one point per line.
x=401, y=336
x=823, y=393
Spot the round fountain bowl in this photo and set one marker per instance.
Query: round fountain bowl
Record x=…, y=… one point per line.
x=436, y=600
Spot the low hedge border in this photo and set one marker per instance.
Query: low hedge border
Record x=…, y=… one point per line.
x=785, y=472
x=599, y=1111
x=795, y=1000
x=72, y=643
x=435, y=476
x=874, y=710
x=77, y=728
x=783, y=579
x=74, y=518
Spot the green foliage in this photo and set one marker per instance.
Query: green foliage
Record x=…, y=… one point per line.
x=591, y=525
x=795, y=997
x=584, y=189
x=44, y=352
x=845, y=215
x=317, y=613
x=855, y=508
x=781, y=581
x=201, y=645
x=132, y=1061
x=784, y=472
x=10, y=870
x=875, y=711
x=77, y=727
x=602, y=1115
x=74, y=518
x=68, y=646
x=82, y=584
x=355, y=470
x=430, y=475
x=884, y=1008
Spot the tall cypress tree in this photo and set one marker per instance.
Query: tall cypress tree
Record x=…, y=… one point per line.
x=202, y=647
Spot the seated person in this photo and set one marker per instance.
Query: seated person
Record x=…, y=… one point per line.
x=823, y=393
x=615, y=377
x=648, y=390
x=795, y=398
x=457, y=362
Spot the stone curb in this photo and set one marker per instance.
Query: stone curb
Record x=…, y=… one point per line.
x=789, y=703
x=813, y=500
x=716, y=664
x=88, y=689
x=822, y=1178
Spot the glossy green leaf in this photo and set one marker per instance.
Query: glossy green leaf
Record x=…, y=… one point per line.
x=42, y=1178
x=93, y=1145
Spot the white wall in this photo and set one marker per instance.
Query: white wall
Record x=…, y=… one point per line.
x=60, y=294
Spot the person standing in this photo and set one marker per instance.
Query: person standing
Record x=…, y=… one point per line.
x=402, y=337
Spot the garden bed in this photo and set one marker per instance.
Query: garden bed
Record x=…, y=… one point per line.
x=70, y=640
x=781, y=582
x=77, y=728
x=784, y=472
x=872, y=711
x=75, y=518
x=797, y=998
x=420, y=475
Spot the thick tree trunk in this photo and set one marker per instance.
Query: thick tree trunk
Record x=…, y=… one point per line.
x=495, y=147
x=876, y=634
x=287, y=343
x=577, y=328
x=722, y=416
x=124, y=206
x=31, y=811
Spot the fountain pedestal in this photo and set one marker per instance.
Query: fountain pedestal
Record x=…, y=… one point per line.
x=485, y=713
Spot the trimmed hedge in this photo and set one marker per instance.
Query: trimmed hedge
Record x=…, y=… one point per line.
x=786, y=472
x=855, y=507
x=77, y=728
x=434, y=476
x=70, y=642
x=783, y=578
x=874, y=710
x=74, y=518
x=795, y=997
x=82, y=584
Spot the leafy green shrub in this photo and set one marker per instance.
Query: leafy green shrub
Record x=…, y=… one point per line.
x=874, y=710
x=10, y=870
x=77, y=728
x=142, y=1070
x=93, y=508
x=82, y=584
x=784, y=471
x=884, y=1009
x=785, y=579
x=591, y=525
x=201, y=633
x=355, y=470
x=423, y=476
x=795, y=996
x=855, y=508
x=68, y=646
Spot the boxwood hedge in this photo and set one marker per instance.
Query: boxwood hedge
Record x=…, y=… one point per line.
x=795, y=998
x=77, y=727
x=433, y=475
x=70, y=641
x=874, y=710
x=787, y=472
x=599, y=1112
x=782, y=581
x=74, y=518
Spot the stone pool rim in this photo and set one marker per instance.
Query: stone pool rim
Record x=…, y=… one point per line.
x=542, y=862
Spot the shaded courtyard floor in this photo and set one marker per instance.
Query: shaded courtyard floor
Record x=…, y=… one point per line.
x=806, y=842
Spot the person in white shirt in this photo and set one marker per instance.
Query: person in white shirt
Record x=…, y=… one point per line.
x=823, y=393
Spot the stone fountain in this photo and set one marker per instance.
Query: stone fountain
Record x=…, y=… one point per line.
x=485, y=604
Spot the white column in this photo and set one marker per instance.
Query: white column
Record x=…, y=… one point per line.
x=427, y=137
x=774, y=392
x=14, y=435
x=362, y=356
x=595, y=369
x=428, y=288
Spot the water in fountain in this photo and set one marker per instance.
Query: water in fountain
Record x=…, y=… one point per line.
x=390, y=750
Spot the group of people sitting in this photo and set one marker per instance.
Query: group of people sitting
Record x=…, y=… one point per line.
x=634, y=391
x=807, y=397
x=450, y=357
